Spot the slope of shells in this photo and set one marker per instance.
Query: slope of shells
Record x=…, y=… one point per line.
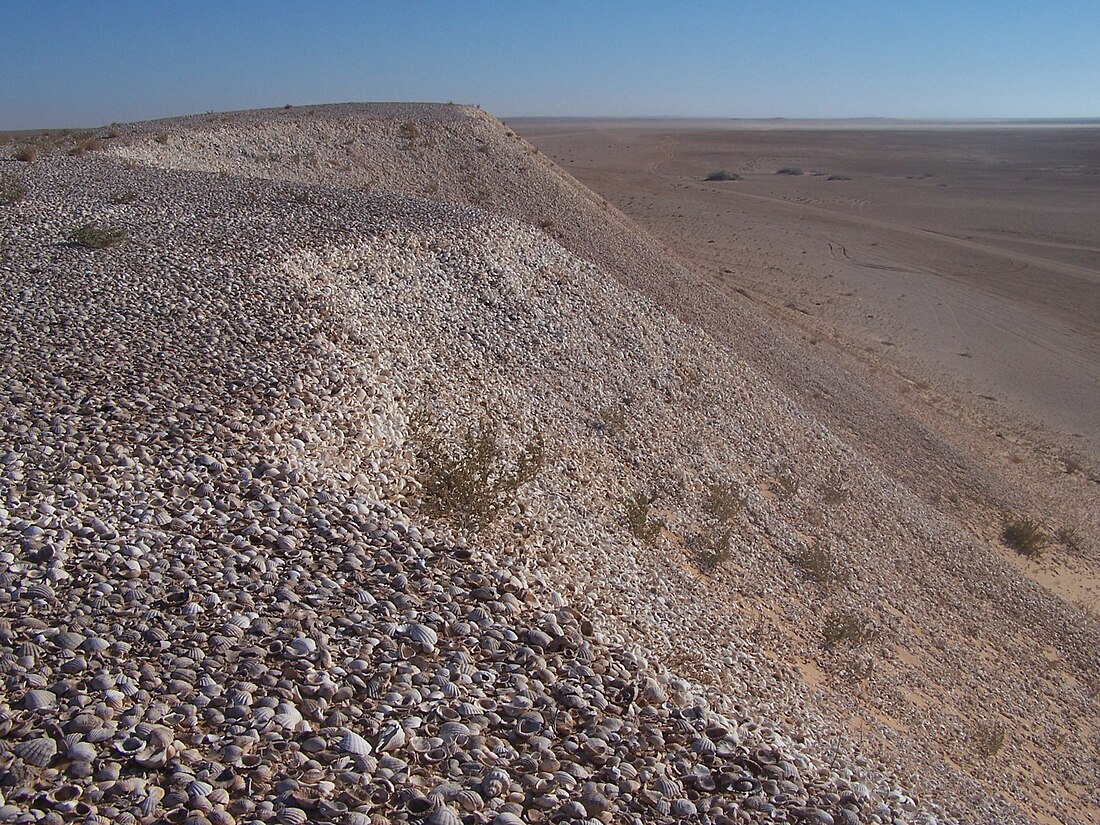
x=217, y=605
x=213, y=427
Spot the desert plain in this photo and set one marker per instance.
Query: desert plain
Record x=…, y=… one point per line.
x=965, y=252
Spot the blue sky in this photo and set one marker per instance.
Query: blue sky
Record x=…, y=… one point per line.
x=89, y=63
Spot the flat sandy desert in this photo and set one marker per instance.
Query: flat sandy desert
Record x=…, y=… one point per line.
x=967, y=253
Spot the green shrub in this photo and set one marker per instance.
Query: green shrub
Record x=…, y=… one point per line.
x=1026, y=536
x=848, y=627
x=636, y=510
x=820, y=565
x=712, y=547
x=473, y=485
x=724, y=503
x=1070, y=538
x=989, y=738
x=91, y=236
x=12, y=191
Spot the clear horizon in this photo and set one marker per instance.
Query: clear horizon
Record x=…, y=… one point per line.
x=69, y=64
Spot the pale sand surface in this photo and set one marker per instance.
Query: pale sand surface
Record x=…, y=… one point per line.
x=966, y=254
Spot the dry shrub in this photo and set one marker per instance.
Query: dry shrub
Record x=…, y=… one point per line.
x=642, y=526
x=27, y=153
x=91, y=236
x=473, y=485
x=1026, y=536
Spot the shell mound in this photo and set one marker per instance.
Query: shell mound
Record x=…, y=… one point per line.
x=227, y=595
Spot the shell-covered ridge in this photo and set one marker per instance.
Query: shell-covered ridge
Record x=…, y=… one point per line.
x=226, y=595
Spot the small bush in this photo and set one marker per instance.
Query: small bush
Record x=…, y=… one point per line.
x=724, y=503
x=114, y=131
x=610, y=419
x=838, y=177
x=12, y=191
x=1070, y=538
x=848, y=627
x=1026, y=536
x=989, y=738
x=722, y=175
x=821, y=565
x=636, y=509
x=89, y=145
x=787, y=484
x=27, y=153
x=712, y=547
x=162, y=138
x=91, y=236
x=128, y=196
x=473, y=486
x=789, y=170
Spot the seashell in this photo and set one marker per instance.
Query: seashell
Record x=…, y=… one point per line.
x=443, y=816
x=149, y=804
x=67, y=640
x=356, y=818
x=39, y=700
x=352, y=742
x=292, y=816
x=391, y=737
x=507, y=818
x=84, y=723
x=495, y=783
x=469, y=801
x=38, y=752
x=421, y=634
x=81, y=752
x=198, y=788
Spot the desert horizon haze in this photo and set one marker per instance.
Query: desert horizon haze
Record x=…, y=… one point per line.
x=73, y=64
x=716, y=445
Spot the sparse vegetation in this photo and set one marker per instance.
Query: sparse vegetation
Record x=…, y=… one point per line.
x=12, y=191
x=787, y=484
x=712, y=547
x=161, y=138
x=838, y=177
x=27, y=153
x=642, y=526
x=1070, y=538
x=91, y=236
x=115, y=131
x=724, y=503
x=1072, y=463
x=848, y=627
x=821, y=565
x=89, y=145
x=988, y=738
x=128, y=196
x=414, y=137
x=789, y=170
x=722, y=175
x=471, y=486
x=1026, y=536
x=610, y=419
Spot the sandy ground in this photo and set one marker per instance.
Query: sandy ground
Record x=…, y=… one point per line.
x=971, y=256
